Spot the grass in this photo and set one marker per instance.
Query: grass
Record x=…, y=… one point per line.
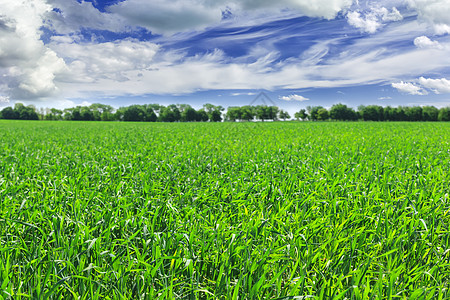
x=224, y=211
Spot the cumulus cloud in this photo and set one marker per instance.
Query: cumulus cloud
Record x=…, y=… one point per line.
x=423, y=85
x=91, y=62
x=438, y=86
x=69, y=16
x=371, y=21
x=27, y=66
x=410, y=88
x=425, y=42
x=294, y=98
x=368, y=24
x=436, y=12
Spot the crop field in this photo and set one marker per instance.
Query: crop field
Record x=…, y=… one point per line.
x=318, y=210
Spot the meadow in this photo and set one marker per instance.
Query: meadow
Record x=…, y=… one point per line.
x=283, y=210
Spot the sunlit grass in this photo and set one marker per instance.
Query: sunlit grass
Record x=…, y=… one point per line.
x=224, y=211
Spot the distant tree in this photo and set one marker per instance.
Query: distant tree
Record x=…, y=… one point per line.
x=234, y=113
x=248, y=112
x=202, y=116
x=313, y=112
x=134, y=113
x=170, y=113
x=188, y=114
x=342, y=112
x=86, y=114
x=371, y=112
x=414, y=113
x=284, y=115
x=389, y=114
x=301, y=114
x=430, y=113
x=444, y=114
x=9, y=113
x=322, y=114
x=214, y=112
x=273, y=112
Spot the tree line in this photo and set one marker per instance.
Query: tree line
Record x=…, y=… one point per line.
x=214, y=113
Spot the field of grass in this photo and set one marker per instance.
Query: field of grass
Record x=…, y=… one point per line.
x=224, y=211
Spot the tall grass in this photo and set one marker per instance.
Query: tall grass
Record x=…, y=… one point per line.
x=224, y=211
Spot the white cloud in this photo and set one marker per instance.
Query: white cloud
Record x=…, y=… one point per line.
x=392, y=16
x=4, y=99
x=384, y=98
x=372, y=20
x=70, y=16
x=368, y=24
x=243, y=94
x=425, y=42
x=91, y=62
x=436, y=12
x=294, y=98
x=438, y=86
x=441, y=29
x=168, y=17
x=410, y=88
x=28, y=68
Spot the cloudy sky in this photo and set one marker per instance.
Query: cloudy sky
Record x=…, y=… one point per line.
x=61, y=53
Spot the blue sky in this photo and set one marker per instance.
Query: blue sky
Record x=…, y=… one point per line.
x=62, y=53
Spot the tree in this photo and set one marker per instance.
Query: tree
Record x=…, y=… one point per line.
x=262, y=112
x=170, y=113
x=214, y=112
x=188, y=114
x=9, y=113
x=301, y=114
x=284, y=115
x=341, y=112
x=202, y=116
x=234, y=113
x=430, y=113
x=322, y=114
x=248, y=112
x=413, y=113
x=312, y=111
x=134, y=113
x=444, y=114
x=371, y=112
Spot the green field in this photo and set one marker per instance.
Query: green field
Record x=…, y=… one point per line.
x=224, y=211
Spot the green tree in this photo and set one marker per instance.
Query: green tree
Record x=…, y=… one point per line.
x=444, y=114
x=414, y=113
x=371, y=112
x=430, y=113
x=284, y=115
x=248, y=112
x=214, y=112
x=202, y=116
x=322, y=114
x=170, y=113
x=312, y=112
x=234, y=113
x=301, y=114
x=9, y=113
x=342, y=112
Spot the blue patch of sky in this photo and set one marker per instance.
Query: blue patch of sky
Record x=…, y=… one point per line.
x=102, y=5
x=103, y=36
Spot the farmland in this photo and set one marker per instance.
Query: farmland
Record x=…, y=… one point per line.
x=112, y=210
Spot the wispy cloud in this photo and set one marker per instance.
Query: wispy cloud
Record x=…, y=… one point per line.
x=243, y=94
x=293, y=98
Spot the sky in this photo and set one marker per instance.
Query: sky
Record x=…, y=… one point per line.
x=63, y=53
